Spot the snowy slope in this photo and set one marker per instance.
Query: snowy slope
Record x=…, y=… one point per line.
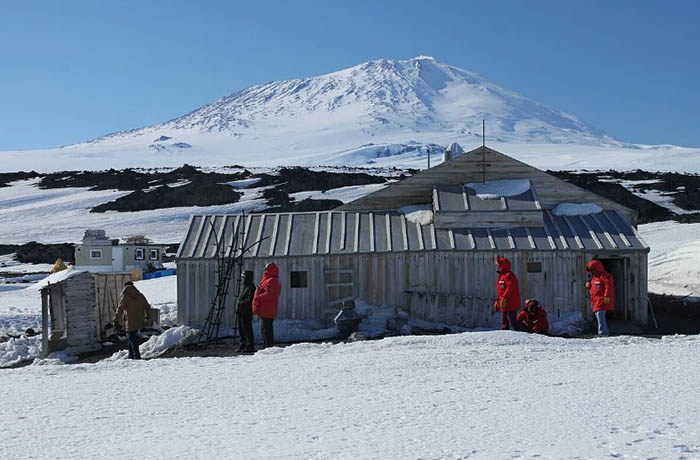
x=365, y=113
x=474, y=395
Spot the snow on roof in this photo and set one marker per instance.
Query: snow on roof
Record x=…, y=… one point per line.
x=576, y=209
x=57, y=278
x=419, y=214
x=495, y=189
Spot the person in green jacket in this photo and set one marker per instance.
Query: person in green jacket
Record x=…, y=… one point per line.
x=244, y=313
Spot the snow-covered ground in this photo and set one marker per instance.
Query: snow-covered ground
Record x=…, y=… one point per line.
x=472, y=395
x=674, y=260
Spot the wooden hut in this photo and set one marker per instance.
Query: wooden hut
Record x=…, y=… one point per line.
x=441, y=269
x=76, y=307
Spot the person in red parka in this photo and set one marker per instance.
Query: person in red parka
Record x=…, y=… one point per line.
x=265, y=302
x=602, y=290
x=508, y=300
x=533, y=318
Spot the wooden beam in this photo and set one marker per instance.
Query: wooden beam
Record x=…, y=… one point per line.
x=388, y=231
x=329, y=233
x=511, y=241
x=273, y=240
x=433, y=236
x=317, y=223
x=45, y=322
x=342, y=230
x=491, y=240
x=610, y=239
x=472, y=241
x=591, y=232
x=562, y=238
x=465, y=197
x=288, y=239
x=436, y=198
x=371, y=232
x=530, y=239
x=404, y=232
x=260, y=233
x=357, y=232
x=451, y=235
x=574, y=232
x=419, y=231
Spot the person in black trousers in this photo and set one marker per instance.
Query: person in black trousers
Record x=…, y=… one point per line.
x=244, y=313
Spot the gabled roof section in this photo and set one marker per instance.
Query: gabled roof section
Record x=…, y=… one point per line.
x=470, y=167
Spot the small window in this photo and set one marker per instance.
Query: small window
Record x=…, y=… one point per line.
x=298, y=280
x=140, y=254
x=534, y=267
x=153, y=254
x=95, y=254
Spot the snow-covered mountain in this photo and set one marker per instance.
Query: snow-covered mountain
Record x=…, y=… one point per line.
x=355, y=116
x=419, y=95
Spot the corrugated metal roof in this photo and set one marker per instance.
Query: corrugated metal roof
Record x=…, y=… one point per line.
x=317, y=233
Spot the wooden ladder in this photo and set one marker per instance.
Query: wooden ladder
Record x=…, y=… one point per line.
x=339, y=288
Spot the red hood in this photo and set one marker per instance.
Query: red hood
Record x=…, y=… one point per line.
x=596, y=267
x=271, y=271
x=503, y=264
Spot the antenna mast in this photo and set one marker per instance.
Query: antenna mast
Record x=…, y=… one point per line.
x=428, y=157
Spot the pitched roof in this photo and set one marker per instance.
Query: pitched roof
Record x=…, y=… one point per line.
x=470, y=167
x=332, y=232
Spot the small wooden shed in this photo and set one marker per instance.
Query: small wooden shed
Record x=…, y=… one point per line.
x=440, y=269
x=76, y=307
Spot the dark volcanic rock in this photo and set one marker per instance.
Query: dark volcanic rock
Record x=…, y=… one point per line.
x=37, y=253
x=292, y=180
x=128, y=179
x=6, y=178
x=8, y=249
x=279, y=201
x=196, y=193
x=648, y=211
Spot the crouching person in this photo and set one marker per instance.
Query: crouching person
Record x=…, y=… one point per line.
x=265, y=302
x=134, y=307
x=533, y=318
x=244, y=313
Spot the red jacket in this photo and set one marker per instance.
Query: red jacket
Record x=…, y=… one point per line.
x=602, y=286
x=267, y=293
x=507, y=286
x=534, y=319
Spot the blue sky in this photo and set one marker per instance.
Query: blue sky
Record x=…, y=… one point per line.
x=74, y=70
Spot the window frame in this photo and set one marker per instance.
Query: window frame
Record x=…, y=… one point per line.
x=150, y=254
x=298, y=279
x=142, y=251
x=98, y=251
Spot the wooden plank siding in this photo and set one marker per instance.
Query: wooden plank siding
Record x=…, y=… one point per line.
x=453, y=287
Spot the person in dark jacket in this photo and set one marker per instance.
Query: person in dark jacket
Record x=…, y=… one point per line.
x=135, y=307
x=265, y=302
x=244, y=313
x=508, y=291
x=533, y=318
x=602, y=290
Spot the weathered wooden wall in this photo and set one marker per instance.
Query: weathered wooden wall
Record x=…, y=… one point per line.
x=453, y=287
x=81, y=317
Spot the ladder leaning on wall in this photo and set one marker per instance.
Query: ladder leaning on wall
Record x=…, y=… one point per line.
x=339, y=288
